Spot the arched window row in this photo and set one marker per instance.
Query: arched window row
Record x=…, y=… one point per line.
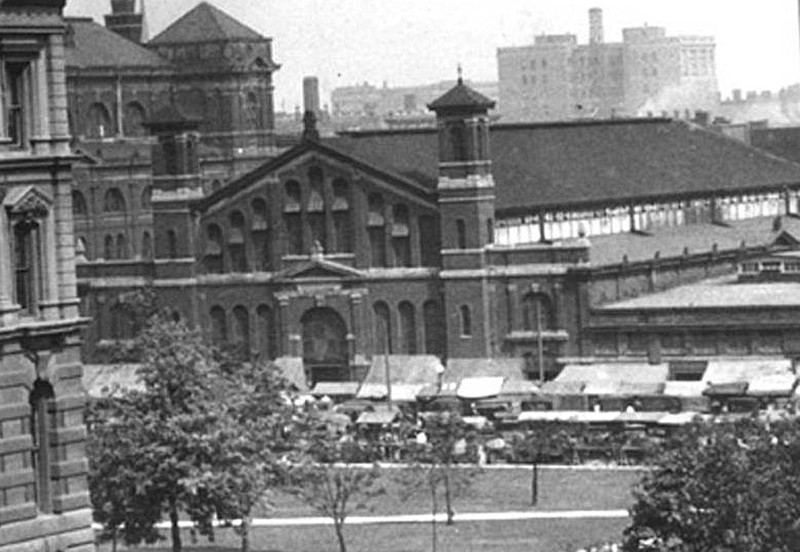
x=400, y=333
x=242, y=243
x=115, y=247
x=237, y=329
x=316, y=214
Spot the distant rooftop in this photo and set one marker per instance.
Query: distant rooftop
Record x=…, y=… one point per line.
x=205, y=23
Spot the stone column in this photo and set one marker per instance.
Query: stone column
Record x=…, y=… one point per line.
x=7, y=306
x=41, y=123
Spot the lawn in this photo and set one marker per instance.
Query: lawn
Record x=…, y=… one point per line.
x=494, y=536
x=502, y=490
x=494, y=490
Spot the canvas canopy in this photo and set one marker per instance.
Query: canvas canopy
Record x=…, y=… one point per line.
x=480, y=387
x=335, y=388
x=778, y=385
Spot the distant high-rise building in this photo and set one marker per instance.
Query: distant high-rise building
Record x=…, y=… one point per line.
x=647, y=73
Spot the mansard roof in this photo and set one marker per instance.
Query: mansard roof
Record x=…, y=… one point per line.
x=589, y=164
x=91, y=45
x=205, y=23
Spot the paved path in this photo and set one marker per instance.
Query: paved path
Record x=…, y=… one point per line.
x=425, y=518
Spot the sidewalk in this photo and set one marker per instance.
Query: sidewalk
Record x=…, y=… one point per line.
x=421, y=518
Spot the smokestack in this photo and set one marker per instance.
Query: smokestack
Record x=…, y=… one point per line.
x=125, y=21
x=596, y=26
x=311, y=95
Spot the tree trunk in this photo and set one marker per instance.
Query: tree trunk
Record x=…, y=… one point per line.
x=244, y=532
x=175, y=530
x=448, y=499
x=114, y=539
x=338, y=525
x=435, y=507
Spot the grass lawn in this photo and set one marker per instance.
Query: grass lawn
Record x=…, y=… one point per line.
x=500, y=491
x=494, y=536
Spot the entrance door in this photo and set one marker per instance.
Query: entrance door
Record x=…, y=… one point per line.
x=325, y=345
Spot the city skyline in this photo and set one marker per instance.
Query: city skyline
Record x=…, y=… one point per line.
x=364, y=44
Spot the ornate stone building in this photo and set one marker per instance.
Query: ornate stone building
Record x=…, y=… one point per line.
x=44, y=498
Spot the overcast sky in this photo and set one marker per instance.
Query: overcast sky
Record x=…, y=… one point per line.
x=345, y=42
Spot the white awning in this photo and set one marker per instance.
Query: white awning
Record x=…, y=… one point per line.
x=480, y=388
x=335, y=388
x=685, y=388
x=777, y=385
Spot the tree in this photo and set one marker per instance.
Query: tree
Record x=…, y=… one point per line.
x=249, y=439
x=545, y=442
x=327, y=477
x=161, y=435
x=433, y=464
x=732, y=487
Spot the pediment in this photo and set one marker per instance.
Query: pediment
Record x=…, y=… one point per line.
x=320, y=269
x=785, y=238
x=28, y=201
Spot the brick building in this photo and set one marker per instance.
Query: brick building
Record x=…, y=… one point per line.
x=44, y=498
x=430, y=243
x=555, y=78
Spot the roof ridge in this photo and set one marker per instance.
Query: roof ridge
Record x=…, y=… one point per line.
x=223, y=26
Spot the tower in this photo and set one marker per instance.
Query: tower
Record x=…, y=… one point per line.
x=125, y=21
x=176, y=182
x=595, y=26
x=466, y=206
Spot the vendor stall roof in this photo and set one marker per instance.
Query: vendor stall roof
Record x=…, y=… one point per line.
x=480, y=387
x=335, y=388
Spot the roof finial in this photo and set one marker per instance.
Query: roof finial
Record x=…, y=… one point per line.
x=460, y=75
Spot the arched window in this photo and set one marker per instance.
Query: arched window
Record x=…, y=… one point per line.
x=408, y=329
x=147, y=246
x=401, y=240
x=147, y=196
x=376, y=230
x=316, y=208
x=236, y=242
x=383, y=328
x=342, y=229
x=458, y=141
x=537, y=306
x=172, y=244
x=292, y=220
x=27, y=266
x=466, y=321
x=78, y=204
x=435, y=335
x=133, y=118
x=262, y=241
x=212, y=258
x=80, y=247
x=99, y=122
x=461, y=234
x=122, y=247
x=216, y=185
x=43, y=426
x=108, y=248
x=241, y=328
x=267, y=333
x=114, y=201
x=219, y=326
x=429, y=240
x=252, y=112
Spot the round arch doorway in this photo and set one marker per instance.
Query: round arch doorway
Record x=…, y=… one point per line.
x=325, y=351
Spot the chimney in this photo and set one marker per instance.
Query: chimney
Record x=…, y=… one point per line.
x=596, y=26
x=124, y=20
x=311, y=95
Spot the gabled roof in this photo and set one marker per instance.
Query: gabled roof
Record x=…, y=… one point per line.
x=589, y=163
x=96, y=46
x=205, y=23
x=461, y=96
x=304, y=147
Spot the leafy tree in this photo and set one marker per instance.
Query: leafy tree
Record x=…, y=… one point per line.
x=328, y=478
x=542, y=444
x=161, y=435
x=433, y=465
x=722, y=487
x=249, y=441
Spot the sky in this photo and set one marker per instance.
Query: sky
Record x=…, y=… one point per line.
x=406, y=42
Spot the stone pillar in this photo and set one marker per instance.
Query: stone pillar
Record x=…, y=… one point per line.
x=59, y=122
x=118, y=104
x=41, y=123
x=281, y=320
x=7, y=307
x=512, y=296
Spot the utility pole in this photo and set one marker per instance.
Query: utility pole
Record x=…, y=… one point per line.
x=539, y=340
